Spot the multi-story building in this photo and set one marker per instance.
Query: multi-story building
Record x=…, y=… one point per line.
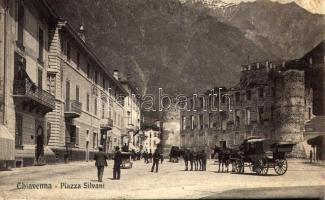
x=25, y=99
x=57, y=99
x=150, y=139
x=88, y=99
x=273, y=100
x=132, y=113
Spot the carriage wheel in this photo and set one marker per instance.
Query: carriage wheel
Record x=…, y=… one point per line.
x=280, y=166
x=261, y=166
x=239, y=166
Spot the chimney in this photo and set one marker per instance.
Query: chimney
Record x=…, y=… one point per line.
x=81, y=33
x=115, y=74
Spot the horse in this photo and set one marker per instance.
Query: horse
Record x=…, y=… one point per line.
x=223, y=158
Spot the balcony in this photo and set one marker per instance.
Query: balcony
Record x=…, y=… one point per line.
x=106, y=124
x=130, y=127
x=72, y=109
x=26, y=91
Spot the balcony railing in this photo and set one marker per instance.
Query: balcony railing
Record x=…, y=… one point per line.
x=106, y=123
x=27, y=89
x=72, y=109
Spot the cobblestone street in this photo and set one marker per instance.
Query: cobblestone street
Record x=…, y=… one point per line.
x=301, y=180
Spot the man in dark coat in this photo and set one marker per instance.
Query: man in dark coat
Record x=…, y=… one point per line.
x=156, y=158
x=191, y=158
x=100, y=158
x=117, y=163
x=186, y=157
x=204, y=160
x=150, y=157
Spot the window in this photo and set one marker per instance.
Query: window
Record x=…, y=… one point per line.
x=129, y=117
x=261, y=114
x=19, y=131
x=309, y=113
x=67, y=90
x=62, y=45
x=192, y=122
x=68, y=51
x=78, y=60
x=95, y=140
x=201, y=121
x=210, y=120
x=104, y=83
x=20, y=21
x=51, y=83
x=237, y=117
x=40, y=44
x=248, y=95
x=183, y=123
x=77, y=93
x=40, y=78
x=96, y=74
x=260, y=92
x=87, y=107
x=237, y=96
x=88, y=70
x=223, y=99
x=248, y=116
x=103, y=110
x=95, y=104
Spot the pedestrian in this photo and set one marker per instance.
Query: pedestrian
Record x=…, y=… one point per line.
x=311, y=156
x=145, y=157
x=186, y=157
x=191, y=158
x=161, y=158
x=117, y=163
x=199, y=160
x=156, y=158
x=101, y=162
x=150, y=157
x=204, y=160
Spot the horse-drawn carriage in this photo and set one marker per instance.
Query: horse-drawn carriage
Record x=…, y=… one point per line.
x=260, y=155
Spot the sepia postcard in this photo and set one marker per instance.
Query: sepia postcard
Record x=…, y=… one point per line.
x=162, y=99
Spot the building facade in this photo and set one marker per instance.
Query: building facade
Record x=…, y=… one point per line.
x=132, y=103
x=273, y=99
x=58, y=101
x=89, y=100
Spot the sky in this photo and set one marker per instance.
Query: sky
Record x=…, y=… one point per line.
x=314, y=6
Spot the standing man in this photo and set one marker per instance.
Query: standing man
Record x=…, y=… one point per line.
x=186, y=157
x=199, y=160
x=150, y=157
x=117, y=163
x=100, y=158
x=156, y=158
x=311, y=156
x=161, y=158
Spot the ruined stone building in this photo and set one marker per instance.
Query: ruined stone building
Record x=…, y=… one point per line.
x=273, y=99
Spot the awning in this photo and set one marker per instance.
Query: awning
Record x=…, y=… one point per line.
x=315, y=141
x=7, y=144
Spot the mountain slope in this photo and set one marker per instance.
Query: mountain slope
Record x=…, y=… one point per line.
x=186, y=47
